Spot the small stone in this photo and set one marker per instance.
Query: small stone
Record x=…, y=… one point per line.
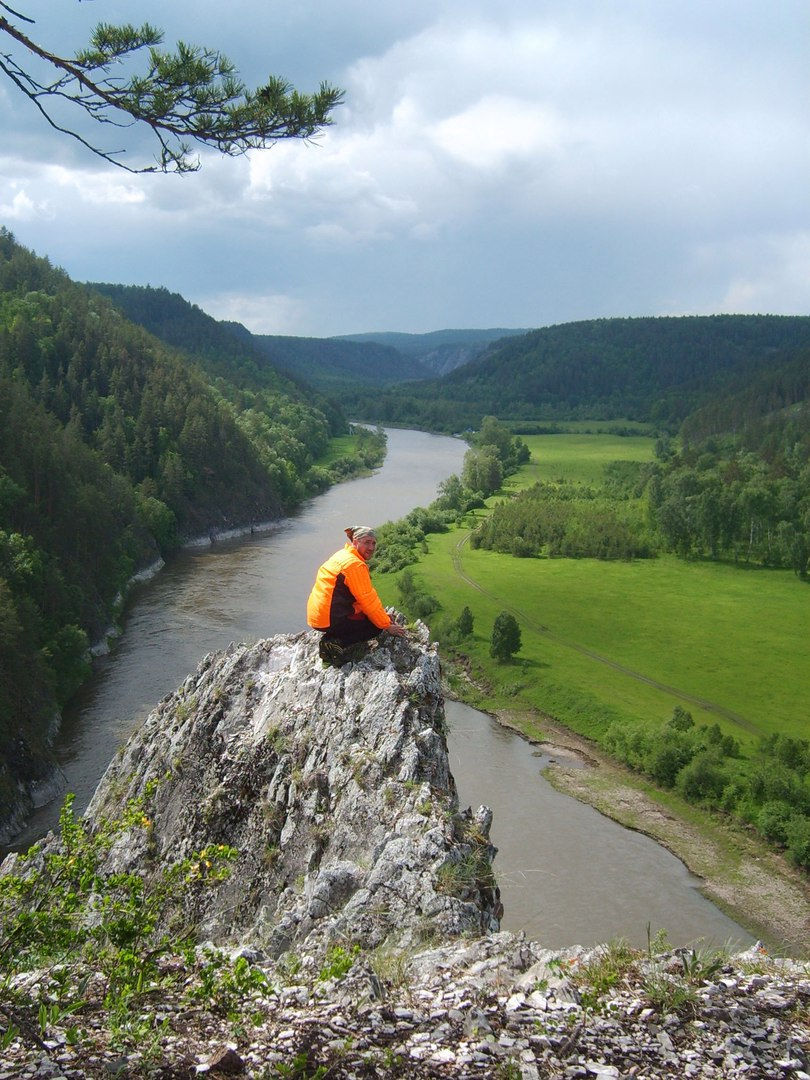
x=442, y=1057
x=601, y=1071
x=226, y=1060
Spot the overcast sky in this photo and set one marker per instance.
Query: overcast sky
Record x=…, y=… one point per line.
x=496, y=163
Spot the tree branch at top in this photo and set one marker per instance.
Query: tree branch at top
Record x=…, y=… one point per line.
x=190, y=96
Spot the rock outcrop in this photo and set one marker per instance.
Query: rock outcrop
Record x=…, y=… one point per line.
x=358, y=930
x=332, y=783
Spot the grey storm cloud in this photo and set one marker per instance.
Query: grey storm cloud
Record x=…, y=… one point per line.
x=515, y=164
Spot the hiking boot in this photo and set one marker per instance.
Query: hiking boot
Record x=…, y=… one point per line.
x=330, y=651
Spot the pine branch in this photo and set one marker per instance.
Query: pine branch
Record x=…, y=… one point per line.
x=190, y=96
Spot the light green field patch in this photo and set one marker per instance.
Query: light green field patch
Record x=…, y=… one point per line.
x=577, y=457
x=340, y=446
x=644, y=636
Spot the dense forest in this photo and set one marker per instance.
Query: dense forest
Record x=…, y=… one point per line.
x=658, y=370
x=115, y=447
x=275, y=361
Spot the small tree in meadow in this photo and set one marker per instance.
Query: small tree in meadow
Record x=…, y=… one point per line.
x=505, y=641
x=465, y=622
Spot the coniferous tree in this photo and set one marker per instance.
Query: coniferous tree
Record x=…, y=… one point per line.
x=190, y=96
x=505, y=641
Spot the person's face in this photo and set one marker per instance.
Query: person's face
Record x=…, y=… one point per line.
x=366, y=545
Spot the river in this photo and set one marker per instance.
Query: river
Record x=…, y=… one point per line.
x=568, y=875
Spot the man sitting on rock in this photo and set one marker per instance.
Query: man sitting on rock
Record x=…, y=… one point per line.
x=343, y=604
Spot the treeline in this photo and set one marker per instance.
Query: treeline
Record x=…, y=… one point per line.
x=113, y=449
x=771, y=792
x=658, y=370
x=737, y=485
x=565, y=520
x=743, y=498
x=722, y=502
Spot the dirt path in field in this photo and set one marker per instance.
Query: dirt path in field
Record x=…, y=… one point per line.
x=682, y=695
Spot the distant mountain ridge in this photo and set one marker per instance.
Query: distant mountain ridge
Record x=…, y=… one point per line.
x=441, y=351
x=329, y=364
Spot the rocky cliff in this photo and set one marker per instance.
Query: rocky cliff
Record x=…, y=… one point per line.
x=356, y=934
x=332, y=783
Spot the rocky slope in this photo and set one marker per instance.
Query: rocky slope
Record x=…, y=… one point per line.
x=356, y=934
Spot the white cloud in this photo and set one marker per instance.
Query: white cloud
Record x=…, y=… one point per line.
x=769, y=274
x=20, y=206
x=495, y=131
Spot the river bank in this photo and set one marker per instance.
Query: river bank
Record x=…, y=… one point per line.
x=753, y=884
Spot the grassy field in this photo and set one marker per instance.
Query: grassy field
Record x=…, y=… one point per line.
x=339, y=446
x=628, y=641
x=578, y=457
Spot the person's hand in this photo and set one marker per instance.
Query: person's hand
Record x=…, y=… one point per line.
x=396, y=630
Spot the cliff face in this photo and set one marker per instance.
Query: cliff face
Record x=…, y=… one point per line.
x=332, y=783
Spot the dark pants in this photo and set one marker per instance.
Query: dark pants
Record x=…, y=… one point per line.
x=350, y=631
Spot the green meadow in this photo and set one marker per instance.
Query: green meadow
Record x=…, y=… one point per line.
x=577, y=457
x=340, y=446
x=628, y=641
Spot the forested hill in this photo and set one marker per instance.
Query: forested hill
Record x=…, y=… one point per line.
x=113, y=447
x=227, y=351
x=653, y=369
x=331, y=364
x=339, y=365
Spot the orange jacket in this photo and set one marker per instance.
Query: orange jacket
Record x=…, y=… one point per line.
x=343, y=589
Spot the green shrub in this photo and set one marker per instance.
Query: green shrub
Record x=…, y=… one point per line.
x=465, y=622
x=797, y=838
x=505, y=641
x=665, y=761
x=703, y=779
x=523, y=549
x=61, y=905
x=772, y=821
